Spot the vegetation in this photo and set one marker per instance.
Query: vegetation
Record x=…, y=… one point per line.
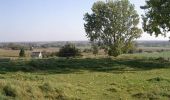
x=22, y=52
x=156, y=19
x=143, y=74
x=82, y=79
x=113, y=25
x=95, y=49
x=156, y=55
x=90, y=77
x=69, y=50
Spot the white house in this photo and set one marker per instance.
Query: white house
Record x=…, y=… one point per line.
x=36, y=55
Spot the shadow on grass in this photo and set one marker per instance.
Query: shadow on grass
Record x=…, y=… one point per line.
x=64, y=66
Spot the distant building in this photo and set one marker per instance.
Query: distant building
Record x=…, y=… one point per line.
x=36, y=55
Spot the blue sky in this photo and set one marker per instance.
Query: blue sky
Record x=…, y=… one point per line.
x=47, y=20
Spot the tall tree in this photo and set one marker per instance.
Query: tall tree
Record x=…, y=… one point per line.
x=113, y=25
x=157, y=17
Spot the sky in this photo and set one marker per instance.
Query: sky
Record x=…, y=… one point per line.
x=49, y=20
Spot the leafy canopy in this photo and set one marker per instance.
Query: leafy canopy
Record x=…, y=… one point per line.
x=157, y=17
x=112, y=25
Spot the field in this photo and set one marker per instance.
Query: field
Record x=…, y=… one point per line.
x=7, y=53
x=164, y=55
x=84, y=79
x=140, y=76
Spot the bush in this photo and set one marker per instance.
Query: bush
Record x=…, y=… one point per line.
x=22, y=53
x=140, y=51
x=69, y=50
x=115, y=50
x=131, y=51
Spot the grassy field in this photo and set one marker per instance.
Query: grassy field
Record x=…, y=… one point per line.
x=164, y=54
x=85, y=79
x=7, y=53
x=139, y=76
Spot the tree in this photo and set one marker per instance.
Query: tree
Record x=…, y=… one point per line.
x=112, y=25
x=22, y=52
x=157, y=17
x=68, y=50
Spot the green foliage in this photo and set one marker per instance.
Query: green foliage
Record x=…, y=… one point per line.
x=95, y=49
x=22, y=52
x=115, y=50
x=156, y=19
x=69, y=50
x=140, y=51
x=112, y=24
x=13, y=46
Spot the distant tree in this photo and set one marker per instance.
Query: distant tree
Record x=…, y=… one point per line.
x=157, y=17
x=14, y=46
x=113, y=25
x=140, y=50
x=22, y=52
x=69, y=50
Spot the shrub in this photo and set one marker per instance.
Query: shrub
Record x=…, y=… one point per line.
x=22, y=52
x=131, y=51
x=69, y=50
x=115, y=50
x=140, y=51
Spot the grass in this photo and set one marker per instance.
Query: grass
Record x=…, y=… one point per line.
x=7, y=53
x=85, y=79
x=164, y=54
x=128, y=77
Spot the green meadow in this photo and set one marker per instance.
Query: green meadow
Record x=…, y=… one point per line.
x=164, y=54
x=122, y=78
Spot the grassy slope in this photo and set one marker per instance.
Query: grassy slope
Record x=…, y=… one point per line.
x=95, y=79
x=165, y=54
